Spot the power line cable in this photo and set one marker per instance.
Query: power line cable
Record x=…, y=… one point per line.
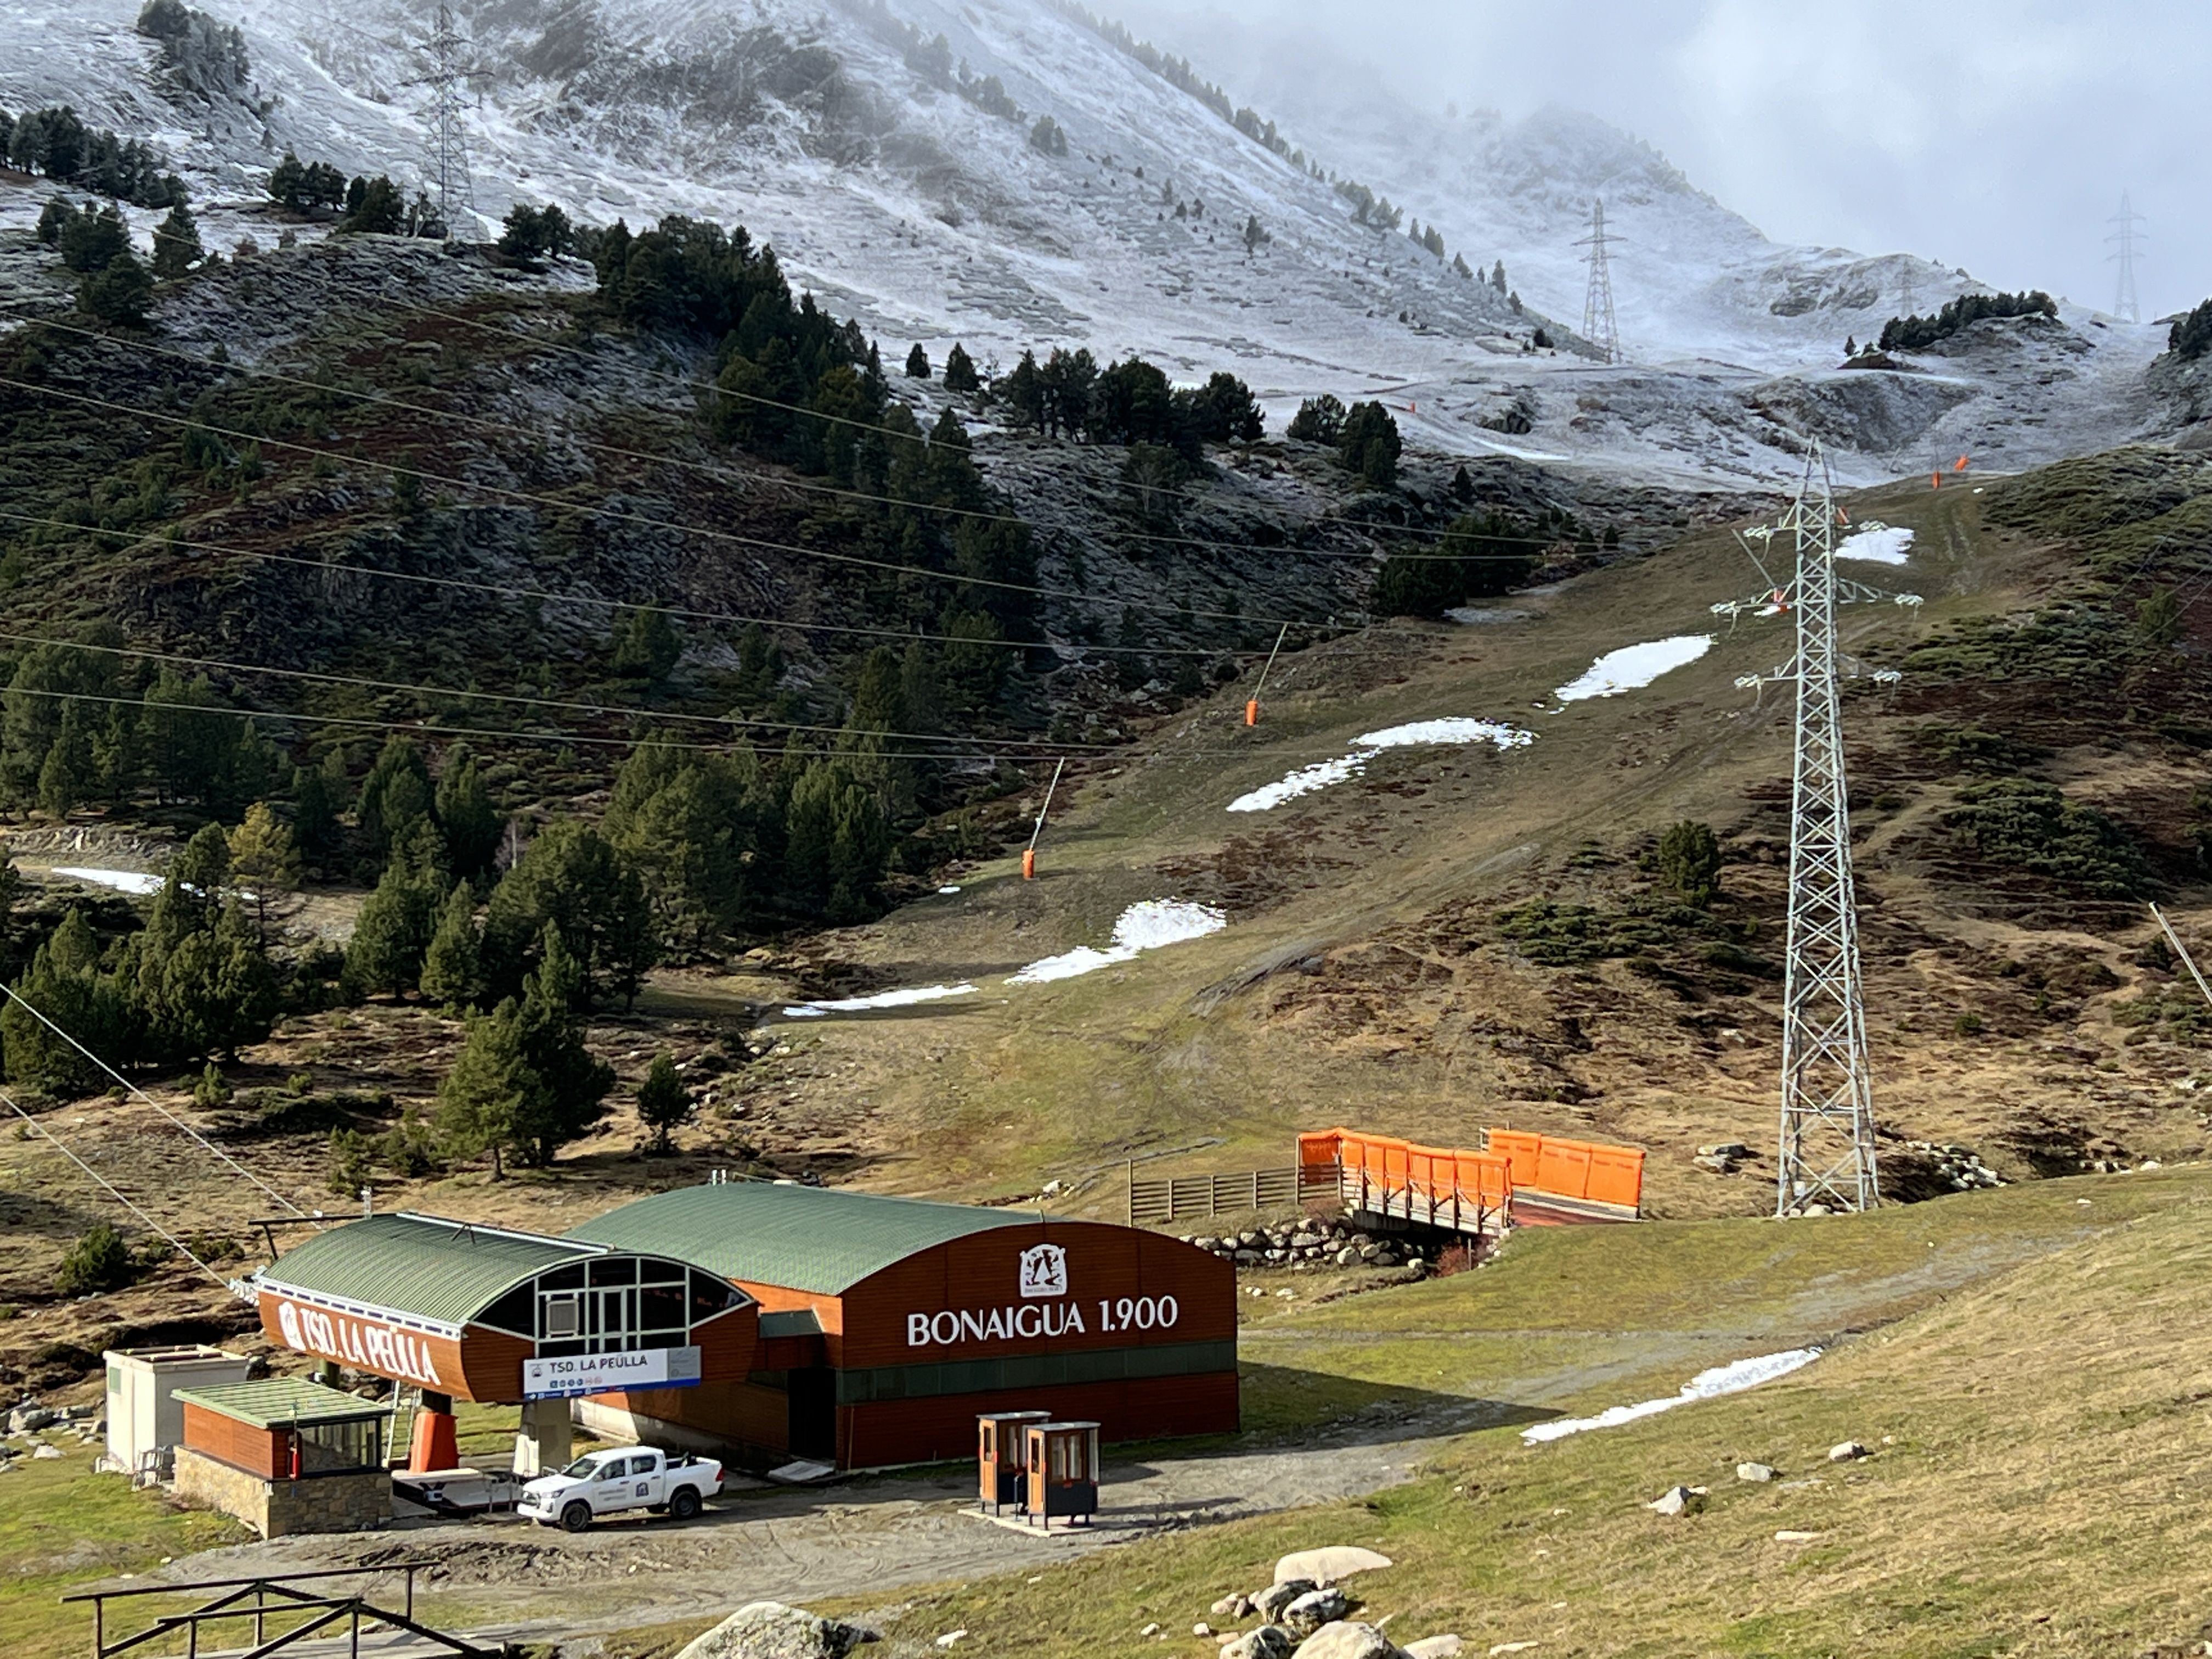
x=61, y=1146
x=315, y=676
x=491, y=734
x=685, y=612
x=14, y=996
x=555, y=504
x=779, y=481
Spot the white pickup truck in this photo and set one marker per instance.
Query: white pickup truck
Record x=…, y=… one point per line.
x=602, y=1483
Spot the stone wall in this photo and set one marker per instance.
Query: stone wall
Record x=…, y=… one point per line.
x=330, y=1502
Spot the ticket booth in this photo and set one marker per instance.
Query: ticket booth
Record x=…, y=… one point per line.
x=1062, y=1460
x=1002, y=1454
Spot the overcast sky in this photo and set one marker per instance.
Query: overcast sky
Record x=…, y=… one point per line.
x=1992, y=134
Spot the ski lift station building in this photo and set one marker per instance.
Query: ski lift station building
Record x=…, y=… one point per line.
x=771, y=1321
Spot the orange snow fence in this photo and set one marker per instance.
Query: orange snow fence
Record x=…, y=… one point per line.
x=1252, y=711
x=1029, y=864
x=1589, y=1172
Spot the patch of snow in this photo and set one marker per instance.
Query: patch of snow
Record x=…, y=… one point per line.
x=124, y=881
x=1304, y=781
x=881, y=1000
x=1732, y=1378
x=946, y=891
x=1147, y=926
x=1322, y=773
x=1883, y=546
x=1634, y=666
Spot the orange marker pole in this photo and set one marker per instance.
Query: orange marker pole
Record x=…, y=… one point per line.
x=1958, y=465
x=1028, y=852
x=1252, y=703
x=1934, y=481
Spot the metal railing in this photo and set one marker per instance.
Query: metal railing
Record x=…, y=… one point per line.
x=1453, y=1209
x=273, y=1596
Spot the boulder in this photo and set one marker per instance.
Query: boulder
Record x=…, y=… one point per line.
x=1787, y=1536
x=770, y=1630
x=1348, y=1256
x=1347, y=1640
x=1434, y=1647
x=1848, y=1452
x=1268, y=1642
x=1314, y=1609
x=1232, y=1606
x=46, y=1452
x=1270, y=1602
x=1754, y=1472
x=1678, y=1500
x=1331, y=1564
x=25, y=1419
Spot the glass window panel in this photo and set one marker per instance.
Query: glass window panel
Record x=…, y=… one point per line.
x=623, y=1270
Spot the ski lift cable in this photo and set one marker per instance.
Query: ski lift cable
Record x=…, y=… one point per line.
x=13, y=995
x=116, y=1193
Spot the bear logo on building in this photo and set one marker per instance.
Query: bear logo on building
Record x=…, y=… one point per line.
x=1044, y=1271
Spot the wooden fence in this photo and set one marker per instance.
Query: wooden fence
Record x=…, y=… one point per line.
x=1173, y=1198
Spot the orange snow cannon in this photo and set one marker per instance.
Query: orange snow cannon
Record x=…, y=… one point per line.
x=1252, y=711
x=1029, y=864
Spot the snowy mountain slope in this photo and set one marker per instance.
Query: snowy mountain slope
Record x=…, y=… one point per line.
x=885, y=147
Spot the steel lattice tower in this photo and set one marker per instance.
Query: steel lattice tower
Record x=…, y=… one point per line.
x=1827, y=1153
x=1599, y=327
x=448, y=81
x=2125, y=304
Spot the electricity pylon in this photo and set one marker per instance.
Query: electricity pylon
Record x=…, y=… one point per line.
x=1600, y=327
x=447, y=152
x=1827, y=1136
x=2125, y=304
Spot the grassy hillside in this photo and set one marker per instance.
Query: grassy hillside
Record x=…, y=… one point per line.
x=2039, y=1452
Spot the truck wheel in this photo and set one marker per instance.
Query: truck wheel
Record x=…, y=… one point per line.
x=576, y=1517
x=683, y=1502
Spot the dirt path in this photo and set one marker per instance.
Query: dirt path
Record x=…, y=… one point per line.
x=862, y=1538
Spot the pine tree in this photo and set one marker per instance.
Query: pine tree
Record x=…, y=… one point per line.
x=392, y=933
x=395, y=797
x=177, y=244
x=1369, y=445
x=647, y=645
x=917, y=363
x=265, y=859
x=1690, y=861
x=491, y=1093
x=118, y=295
x=1497, y=276
x=959, y=370
x=663, y=1103
x=452, y=973
x=66, y=777
x=470, y=825
x=1462, y=486
x=1022, y=392
x=552, y=1039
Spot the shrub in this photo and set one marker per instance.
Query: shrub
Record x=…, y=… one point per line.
x=1690, y=861
x=99, y=1260
x=2032, y=826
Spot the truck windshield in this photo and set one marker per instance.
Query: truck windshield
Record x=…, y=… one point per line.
x=582, y=1467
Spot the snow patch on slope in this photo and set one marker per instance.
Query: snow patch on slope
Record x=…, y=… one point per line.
x=1635, y=666
x=1885, y=546
x=1147, y=926
x=881, y=1000
x=1322, y=773
x=1732, y=1378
